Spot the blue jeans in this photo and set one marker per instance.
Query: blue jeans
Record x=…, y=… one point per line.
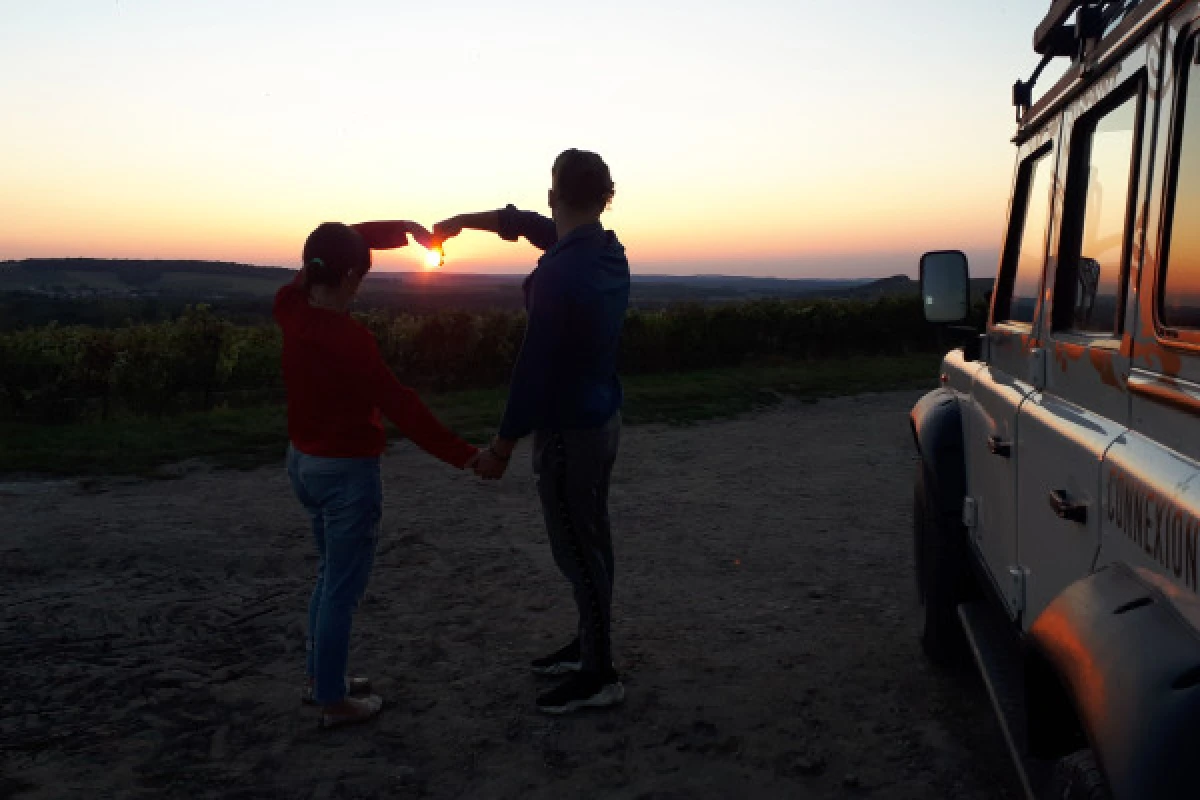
x=344, y=498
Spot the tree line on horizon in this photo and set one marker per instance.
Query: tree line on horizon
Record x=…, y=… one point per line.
x=200, y=360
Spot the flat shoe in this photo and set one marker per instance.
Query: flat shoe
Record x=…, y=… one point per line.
x=365, y=708
x=354, y=686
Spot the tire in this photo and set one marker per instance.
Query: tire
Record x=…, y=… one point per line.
x=943, y=575
x=1078, y=777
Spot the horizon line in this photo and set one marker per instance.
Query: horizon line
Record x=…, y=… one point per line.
x=518, y=272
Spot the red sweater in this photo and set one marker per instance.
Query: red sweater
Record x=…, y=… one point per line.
x=337, y=385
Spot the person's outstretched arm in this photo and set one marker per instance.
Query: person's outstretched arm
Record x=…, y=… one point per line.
x=413, y=418
x=390, y=234
x=509, y=223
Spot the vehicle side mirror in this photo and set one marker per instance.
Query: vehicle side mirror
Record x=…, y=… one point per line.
x=945, y=286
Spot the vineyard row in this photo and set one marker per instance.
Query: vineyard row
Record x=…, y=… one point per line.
x=199, y=360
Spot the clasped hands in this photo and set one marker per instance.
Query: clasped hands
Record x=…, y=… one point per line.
x=391, y=234
x=491, y=462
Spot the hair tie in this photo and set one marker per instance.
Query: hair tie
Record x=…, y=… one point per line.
x=316, y=262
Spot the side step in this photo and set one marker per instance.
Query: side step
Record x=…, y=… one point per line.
x=999, y=659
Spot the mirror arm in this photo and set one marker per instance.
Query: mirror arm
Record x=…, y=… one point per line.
x=1023, y=90
x=970, y=338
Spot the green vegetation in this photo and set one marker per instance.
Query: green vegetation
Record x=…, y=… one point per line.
x=200, y=361
x=127, y=399
x=136, y=445
x=248, y=437
x=116, y=292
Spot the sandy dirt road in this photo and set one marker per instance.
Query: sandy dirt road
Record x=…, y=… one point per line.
x=152, y=632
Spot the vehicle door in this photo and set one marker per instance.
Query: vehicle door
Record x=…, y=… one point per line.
x=1000, y=387
x=1081, y=401
x=1151, y=475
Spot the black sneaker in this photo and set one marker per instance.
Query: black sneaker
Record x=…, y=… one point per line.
x=565, y=660
x=583, y=690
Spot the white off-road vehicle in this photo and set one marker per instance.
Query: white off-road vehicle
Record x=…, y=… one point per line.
x=1057, y=503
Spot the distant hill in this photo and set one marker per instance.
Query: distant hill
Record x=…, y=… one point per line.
x=895, y=286
x=90, y=276
x=883, y=287
x=753, y=283
x=218, y=282
x=82, y=277
x=139, y=272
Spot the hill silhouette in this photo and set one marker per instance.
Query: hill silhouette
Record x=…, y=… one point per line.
x=223, y=284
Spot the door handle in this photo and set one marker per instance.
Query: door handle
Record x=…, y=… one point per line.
x=1065, y=509
x=999, y=447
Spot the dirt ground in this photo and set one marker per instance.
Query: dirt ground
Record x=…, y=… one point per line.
x=153, y=632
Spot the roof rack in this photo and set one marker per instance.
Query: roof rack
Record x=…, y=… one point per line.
x=1052, y=26
x=1057, y=36
x=1097, y=16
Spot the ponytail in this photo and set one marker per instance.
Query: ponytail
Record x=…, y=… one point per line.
x=332, y=252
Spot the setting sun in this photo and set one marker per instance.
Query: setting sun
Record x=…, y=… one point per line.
x=434, y=258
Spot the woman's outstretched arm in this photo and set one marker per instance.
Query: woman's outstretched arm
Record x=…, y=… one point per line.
x=412, y=417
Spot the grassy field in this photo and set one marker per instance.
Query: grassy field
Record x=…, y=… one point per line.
x=244, y=438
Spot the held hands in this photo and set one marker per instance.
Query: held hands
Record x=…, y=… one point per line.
x=421, y=234
x=389, y=234
x=489, y=466
x=491, y=462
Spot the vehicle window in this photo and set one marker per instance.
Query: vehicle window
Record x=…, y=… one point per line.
x=1116, y=13
x=1021, y=280
x=1100, y=190
x=1179, y=297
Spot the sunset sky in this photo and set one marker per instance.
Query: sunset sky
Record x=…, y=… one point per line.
x=768, y=137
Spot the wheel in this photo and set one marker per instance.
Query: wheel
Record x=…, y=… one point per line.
x=943, y=575
x=1078, y=777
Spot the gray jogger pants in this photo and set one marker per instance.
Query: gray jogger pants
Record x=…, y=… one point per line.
x=574, y=468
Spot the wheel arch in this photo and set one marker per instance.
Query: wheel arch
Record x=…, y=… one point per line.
x=936, y=422
x=1114, y=663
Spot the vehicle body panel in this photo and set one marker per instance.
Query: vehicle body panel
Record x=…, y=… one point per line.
x=1150, y=509
x=1066, y=426
x=1001, y=385
x=990, y=424
x=1081, y=425
x=1151, y=478
x=1054, y=551
x=1165, y=375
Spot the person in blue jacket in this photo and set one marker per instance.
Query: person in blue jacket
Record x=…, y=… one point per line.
x=565, y=391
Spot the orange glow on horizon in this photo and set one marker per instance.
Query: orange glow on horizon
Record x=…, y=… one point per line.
x=663, y=231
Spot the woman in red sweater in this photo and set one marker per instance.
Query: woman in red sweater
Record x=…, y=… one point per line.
x=338, y=390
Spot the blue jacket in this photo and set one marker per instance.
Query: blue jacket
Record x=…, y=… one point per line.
x=566, y=373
